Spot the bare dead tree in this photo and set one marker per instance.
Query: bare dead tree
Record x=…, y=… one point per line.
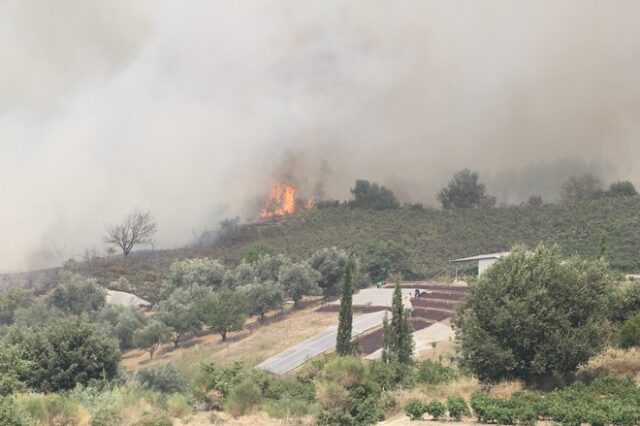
x=136, y=228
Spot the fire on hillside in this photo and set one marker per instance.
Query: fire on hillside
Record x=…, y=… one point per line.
x=282, y=201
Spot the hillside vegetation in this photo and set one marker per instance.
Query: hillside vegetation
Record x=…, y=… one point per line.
x=421, y=241
x=431, y=238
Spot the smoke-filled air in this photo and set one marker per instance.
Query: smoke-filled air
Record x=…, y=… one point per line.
x=194, y=110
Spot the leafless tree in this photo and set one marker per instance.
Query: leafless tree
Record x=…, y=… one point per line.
x=136, y=228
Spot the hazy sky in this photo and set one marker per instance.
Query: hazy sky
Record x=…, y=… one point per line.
x=189, y=108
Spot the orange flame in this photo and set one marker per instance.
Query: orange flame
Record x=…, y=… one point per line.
x=281, y=201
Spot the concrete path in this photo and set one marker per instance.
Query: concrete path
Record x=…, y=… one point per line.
x=379, y=296
x=314, y=346
x=423, y=338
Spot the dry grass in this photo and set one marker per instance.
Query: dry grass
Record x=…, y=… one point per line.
x=249, y=346
x=614, y=362
x=220, y=418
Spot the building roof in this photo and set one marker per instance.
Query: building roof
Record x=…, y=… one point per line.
x=482, y=257
x=125, y=299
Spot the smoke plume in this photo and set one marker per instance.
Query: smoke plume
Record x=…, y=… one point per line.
x=190, y=108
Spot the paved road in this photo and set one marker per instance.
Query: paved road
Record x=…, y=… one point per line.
x=314, y=346
x=423, y=338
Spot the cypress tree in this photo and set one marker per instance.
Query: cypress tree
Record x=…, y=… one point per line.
x=345, y=319
x=397, y=338
x=602, y=247
x=386, y=340
x=397, y=311
x=406, y=343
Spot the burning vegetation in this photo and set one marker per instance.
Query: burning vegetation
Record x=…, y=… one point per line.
x=282, y=201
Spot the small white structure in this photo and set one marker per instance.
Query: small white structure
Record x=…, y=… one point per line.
x=484, y=261
x=125, y=299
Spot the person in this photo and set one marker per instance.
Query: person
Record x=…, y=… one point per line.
x=409, y=306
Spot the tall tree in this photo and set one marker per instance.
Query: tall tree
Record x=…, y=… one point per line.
x=386, y=340
x=137, y=227
x=398, y=345
x=602, y=247
x=345, y=319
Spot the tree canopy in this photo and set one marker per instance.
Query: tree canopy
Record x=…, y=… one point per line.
x=330, y=262
x=224, y=312
x=464, y=191
x=299, y=280
x=581, y=188
x=534, y=314
x=76, y=295
x=373, y=196
x=69, y=352
x=622, y=189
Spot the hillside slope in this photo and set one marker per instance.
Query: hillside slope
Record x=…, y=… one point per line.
x=431, y=238
x=434, y=237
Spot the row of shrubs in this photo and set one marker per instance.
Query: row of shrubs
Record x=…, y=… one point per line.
x=607, y=401
x=456, y=408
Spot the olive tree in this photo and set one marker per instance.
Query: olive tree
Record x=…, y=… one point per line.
x=204, y=272
x=330, y=263
x=264, y=297
x=534, y=314
x=151, y=336
x=268, y=267
x=224, y=312
x=299, y=279
x=179, y=311
x=135, y=228
x=122, y=322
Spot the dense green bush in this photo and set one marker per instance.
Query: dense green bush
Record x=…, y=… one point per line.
x=457, y=408
x=605, y=402
x=346, y=395
x=165, y=379
x=76, y=295
x=243, y=397
x=13, y=299
x=435, y=409
x=213, y=384
x=122, y=322
x=415, y=409
x=11, y=414
x=534, y=314
x=433, y=373
x=69, y=352
x=629, y=335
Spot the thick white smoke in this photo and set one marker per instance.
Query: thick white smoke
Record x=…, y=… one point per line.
x=189, y=108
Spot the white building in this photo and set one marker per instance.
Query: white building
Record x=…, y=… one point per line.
x=484, y=261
